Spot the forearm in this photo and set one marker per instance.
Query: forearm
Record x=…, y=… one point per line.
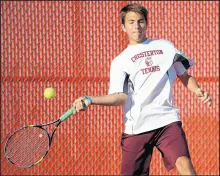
x=192, y=85
x=116, y=99
x=110, y=100
x=190, y=82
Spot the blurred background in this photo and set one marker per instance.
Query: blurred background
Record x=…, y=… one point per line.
x=69, y=45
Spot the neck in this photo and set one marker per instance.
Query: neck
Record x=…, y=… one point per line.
x=137, y=42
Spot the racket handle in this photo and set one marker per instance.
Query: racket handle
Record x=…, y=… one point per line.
x=67, y=114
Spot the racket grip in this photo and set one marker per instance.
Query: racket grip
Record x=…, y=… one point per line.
x=67, y=114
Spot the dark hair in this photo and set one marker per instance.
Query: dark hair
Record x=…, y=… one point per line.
x=133, y=8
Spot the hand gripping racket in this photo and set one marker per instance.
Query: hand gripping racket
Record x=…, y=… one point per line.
x=30, y=144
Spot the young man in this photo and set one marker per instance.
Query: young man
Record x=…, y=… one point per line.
x=141, y=79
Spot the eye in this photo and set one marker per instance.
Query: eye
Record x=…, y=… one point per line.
x=131, y=22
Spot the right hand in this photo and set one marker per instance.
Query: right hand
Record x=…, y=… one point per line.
x=80, y=104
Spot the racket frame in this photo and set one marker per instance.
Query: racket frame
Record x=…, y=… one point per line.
x=50, y=137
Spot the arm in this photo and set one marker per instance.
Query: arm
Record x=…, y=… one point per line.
x=192, y=85
x=115, y=99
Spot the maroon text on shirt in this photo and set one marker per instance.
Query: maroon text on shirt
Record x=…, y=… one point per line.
x=150, y=69
x=146, y=53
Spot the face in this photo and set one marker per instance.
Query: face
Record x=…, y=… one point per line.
x=135, y=26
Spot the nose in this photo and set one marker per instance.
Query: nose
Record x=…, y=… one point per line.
x=136, y=25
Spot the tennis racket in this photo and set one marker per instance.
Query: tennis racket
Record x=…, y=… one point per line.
x=30, y=144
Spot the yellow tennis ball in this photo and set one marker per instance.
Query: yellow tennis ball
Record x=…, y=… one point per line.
x=49, y=93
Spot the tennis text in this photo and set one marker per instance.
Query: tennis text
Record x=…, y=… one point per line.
x=150, y=69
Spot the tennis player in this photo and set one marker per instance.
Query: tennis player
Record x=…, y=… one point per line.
x=141, y=79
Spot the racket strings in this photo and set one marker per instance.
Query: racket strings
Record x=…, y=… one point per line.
x=27, y=146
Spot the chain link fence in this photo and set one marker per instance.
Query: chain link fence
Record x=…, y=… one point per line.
x=69, y=46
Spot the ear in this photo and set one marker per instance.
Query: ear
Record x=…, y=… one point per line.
x=123, y=27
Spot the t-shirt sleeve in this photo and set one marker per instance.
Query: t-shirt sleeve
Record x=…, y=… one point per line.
x=118, y=78
x=181, y=62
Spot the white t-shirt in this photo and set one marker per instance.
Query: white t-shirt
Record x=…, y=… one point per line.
x=146, y=73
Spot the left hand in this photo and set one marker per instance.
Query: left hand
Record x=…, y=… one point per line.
x=80, y=104
x=204, y=97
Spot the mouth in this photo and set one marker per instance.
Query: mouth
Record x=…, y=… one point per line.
x=137, y=32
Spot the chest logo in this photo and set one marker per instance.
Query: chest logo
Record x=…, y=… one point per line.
x=148, y=61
